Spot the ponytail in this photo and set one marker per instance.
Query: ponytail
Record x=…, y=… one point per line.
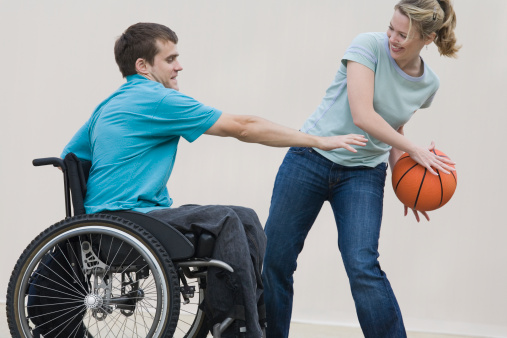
x=433, y=16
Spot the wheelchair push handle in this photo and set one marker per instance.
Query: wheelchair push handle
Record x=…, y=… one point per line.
x=59, y=163
x=55, y=161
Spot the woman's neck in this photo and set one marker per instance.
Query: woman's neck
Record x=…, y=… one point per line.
x=414, y=68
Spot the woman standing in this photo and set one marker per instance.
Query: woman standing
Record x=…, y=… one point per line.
x=381, y=82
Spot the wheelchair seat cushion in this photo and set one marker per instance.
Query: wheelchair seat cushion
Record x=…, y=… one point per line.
x=175, y=243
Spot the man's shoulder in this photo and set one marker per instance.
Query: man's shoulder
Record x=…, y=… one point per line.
x=137, y=83
x=148, y=98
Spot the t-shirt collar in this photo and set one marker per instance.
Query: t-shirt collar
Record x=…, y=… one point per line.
x=136, y=77
x=398, y=69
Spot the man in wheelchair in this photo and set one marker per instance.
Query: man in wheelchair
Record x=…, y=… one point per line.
x=131, y=141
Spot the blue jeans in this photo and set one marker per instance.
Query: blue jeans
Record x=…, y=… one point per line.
x=304, y=182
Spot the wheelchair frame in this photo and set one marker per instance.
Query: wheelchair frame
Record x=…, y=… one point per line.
x=165, y=256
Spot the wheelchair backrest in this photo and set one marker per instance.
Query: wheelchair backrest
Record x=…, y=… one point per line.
x=77, y=174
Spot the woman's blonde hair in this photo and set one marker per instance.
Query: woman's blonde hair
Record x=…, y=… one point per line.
x=433, y=16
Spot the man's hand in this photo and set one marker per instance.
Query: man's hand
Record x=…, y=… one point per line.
x=342, y=141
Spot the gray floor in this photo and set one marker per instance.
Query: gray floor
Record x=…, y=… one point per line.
x=298, y=330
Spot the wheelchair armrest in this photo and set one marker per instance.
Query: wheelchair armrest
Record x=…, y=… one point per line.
x=191, y=237
x=205, y=245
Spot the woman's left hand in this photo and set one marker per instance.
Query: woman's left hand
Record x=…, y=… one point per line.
x=432, y=162
x=416, y=214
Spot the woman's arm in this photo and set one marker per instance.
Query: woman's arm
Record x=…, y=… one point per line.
x=395, y=153
x=360, y=88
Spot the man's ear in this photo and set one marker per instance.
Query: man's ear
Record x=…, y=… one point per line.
x=142, y=66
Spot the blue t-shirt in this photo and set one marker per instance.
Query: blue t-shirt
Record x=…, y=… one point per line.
x=131, y=140
x=397, y=96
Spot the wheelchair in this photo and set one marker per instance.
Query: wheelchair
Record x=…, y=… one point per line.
x=111, y=274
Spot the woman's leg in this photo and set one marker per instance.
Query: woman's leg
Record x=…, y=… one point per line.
x=357, y=205
x=299, y=192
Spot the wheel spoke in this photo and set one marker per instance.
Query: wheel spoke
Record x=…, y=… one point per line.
x=61, y=297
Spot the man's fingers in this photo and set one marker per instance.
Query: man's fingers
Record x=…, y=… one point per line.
x=357, y=140
x=349, y=148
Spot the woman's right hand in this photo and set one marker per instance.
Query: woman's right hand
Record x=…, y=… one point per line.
x=431, y=161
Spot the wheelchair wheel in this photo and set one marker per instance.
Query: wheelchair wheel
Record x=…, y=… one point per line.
x=93, y=276
x=192, y=322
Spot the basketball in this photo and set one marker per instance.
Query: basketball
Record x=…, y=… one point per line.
x=419, y=189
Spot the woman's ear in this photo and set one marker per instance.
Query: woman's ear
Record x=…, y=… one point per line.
x=430, y=38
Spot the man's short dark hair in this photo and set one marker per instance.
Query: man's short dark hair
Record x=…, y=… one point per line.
x=140, y=41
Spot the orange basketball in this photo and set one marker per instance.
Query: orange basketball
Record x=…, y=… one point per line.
x=419, y=189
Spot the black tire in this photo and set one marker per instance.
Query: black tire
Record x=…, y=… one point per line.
x=192, y=321
x=134, y=294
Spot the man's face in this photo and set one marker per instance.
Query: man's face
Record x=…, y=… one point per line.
x=165, y=66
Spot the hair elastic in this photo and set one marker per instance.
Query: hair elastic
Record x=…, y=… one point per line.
x=435, y=9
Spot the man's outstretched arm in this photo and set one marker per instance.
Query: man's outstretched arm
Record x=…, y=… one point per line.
x=254, y=129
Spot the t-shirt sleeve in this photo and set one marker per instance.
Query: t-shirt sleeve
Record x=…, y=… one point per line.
x=181, y=115
x=429, y=101
x=364, y=50
x=80, y=144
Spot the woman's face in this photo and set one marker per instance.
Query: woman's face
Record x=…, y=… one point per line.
x=404, y=48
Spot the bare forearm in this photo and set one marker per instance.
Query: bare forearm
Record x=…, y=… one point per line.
x=377, y=127
x=395, y=153
x=255, y=129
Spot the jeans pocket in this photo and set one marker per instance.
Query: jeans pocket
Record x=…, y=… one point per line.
x=381, y=171
x=297, y=150
x=382, y=167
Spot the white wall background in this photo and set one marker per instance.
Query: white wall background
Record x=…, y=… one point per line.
x=274, y=59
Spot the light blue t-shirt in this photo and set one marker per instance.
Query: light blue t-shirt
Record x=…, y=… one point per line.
x=396, y=97
x=131, y=140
